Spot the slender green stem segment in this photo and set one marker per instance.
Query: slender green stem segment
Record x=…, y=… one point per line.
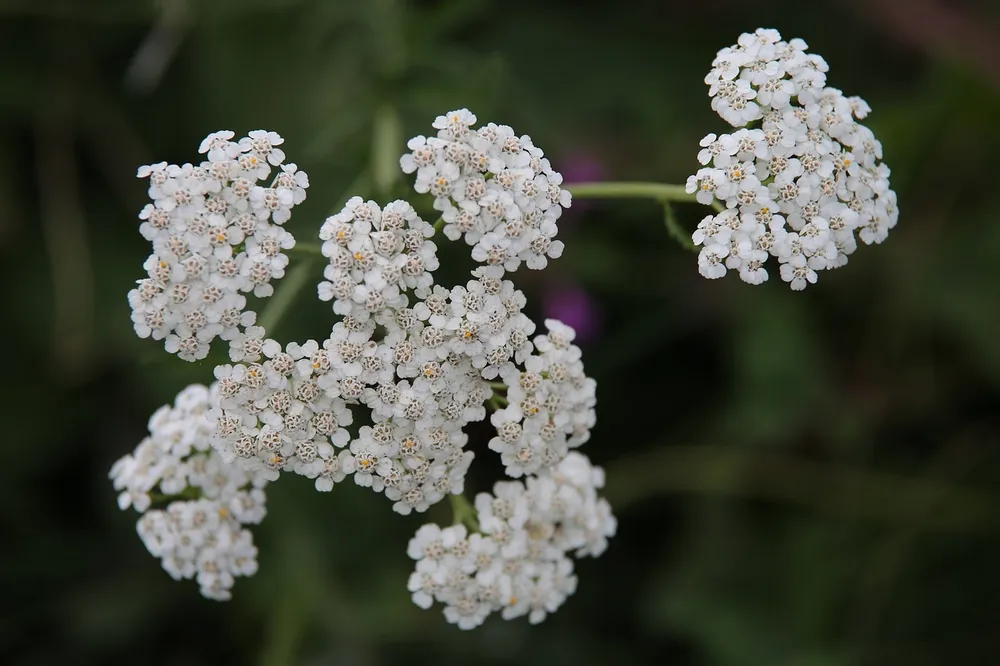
x=463, y=513
x=439, y=225
x=497, y=402
x=284, y=296
x=307, y=249
x=658, y=191
x=189, y=493
x=675, y=230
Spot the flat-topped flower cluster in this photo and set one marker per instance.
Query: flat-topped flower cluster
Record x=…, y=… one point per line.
x=385, y=398
x=516, y=563
x=201, y=537
x=801, y=180
x=216, y=234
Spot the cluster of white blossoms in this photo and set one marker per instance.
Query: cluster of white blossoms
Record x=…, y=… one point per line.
x=550, y=405
x=216, y=234
x=493, y=187
x=516, y=563
x=200, y=538
x=386, y=397
x=375, y=257
x=800, y=178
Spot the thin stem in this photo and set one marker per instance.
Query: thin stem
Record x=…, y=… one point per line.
x=674, y=229
x=284, y=296
x=497, y=402
x=310, y=249
x=627, y=190
x=439, y=225
x=189, y=493
x=500, y=386
x=463, y=513
x=658, y=191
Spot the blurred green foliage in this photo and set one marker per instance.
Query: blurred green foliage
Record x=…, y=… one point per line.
x=801, y=479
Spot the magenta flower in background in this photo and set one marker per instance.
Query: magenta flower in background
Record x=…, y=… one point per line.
x=572, y=305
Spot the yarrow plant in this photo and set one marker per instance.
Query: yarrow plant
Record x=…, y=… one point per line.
x=385, y=394
x=411, y=360
x=801, y=180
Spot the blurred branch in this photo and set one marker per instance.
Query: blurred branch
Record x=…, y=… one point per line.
x=890, y=553
x=387, y=146
x=108, y=128
x=284, y=296
x=830, y=488
x=62, y=221
x=134, y=11
x=10, y=216
x=159, y=48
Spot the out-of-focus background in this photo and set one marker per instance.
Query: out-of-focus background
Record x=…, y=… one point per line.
x=802, y=479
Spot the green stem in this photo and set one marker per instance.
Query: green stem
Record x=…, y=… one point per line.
x=307, y=249
x=674, y=229
x=497, y=402
x=189, y=493
x=463, y=513
x=439, y=225
x=284, y=296
x=626, y=190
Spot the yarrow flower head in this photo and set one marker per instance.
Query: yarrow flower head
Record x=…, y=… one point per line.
x=801, y=180
x=375, y=256
x=386, y=396
x=199, y=533
x=494, y=188
x=216, y=235
x=515, y=562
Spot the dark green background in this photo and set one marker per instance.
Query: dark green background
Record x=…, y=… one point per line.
x=802, y=479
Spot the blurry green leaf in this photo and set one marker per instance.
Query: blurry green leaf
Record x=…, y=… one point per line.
x=387, y=146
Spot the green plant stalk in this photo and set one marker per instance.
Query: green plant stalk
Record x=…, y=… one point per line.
x=674, y=229
x=306, y=249
x=463, y=513
x=662, y=192
x=284, y=296
x=189, y=493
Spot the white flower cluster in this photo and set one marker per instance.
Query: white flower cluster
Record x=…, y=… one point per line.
x=422, y=382
x=493, y=187
x=199, y=538
x=375, y=257
x=517, y=562
x=798, y=186
x=386, y=397
x=289, y=414
x=216, y=235
x=551, y=405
